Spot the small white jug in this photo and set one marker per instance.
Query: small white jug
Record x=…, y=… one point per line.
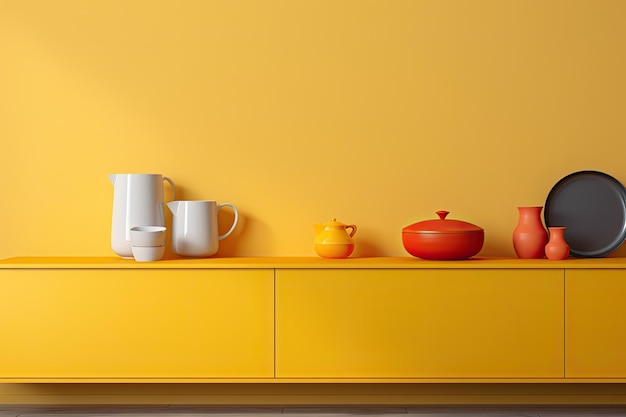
x=194, y=227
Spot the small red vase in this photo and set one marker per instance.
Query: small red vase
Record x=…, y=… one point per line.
x=557, y=248
x=530, y=237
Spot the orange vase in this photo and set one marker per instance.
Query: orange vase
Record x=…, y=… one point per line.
x=530, y=237
x=557, y=248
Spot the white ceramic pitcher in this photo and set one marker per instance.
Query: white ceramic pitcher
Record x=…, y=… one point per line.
x=194, y=227
x=137, y=201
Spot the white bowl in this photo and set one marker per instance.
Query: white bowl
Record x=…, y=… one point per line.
x=147, y=235
x=148, y=253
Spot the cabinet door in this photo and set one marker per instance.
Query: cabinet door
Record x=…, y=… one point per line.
x=419, y=323
x=136, y=323
x=595, y=333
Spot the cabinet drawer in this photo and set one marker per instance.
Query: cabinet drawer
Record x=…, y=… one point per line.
x=594, y=323
x=439, y=323
x=92, y=323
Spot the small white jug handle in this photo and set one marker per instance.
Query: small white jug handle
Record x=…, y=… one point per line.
x=219, y=206
x=168, y=179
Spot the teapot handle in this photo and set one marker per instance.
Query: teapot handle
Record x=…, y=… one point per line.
x=353, y=227
x=168, y=179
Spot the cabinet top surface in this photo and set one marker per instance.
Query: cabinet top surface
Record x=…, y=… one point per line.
x=306, y=263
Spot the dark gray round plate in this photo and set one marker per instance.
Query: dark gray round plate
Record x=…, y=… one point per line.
x=592, y=207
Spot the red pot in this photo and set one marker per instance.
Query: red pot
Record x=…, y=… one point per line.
x=443, y=239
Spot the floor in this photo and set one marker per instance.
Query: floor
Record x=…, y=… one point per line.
x=415, y=411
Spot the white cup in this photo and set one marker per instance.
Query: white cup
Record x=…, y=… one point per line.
x=194, y=227
x=147, y=253
x=147, y=236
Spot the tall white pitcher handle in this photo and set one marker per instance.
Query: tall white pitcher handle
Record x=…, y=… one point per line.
x=168, y=179
x=219, y=206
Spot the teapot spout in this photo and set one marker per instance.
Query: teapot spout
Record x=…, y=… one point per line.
x=319, y=228
x=113, y=178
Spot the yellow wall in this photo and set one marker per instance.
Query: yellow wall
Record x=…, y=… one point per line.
x=375, y=112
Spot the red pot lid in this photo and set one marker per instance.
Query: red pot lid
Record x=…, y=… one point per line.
x=442, y=225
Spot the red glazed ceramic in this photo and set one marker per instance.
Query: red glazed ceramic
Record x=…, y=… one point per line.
x=557, y=248
x=530, y=237
x=443, y=239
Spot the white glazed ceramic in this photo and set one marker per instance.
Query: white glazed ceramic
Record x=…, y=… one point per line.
x=148, y=253
x=147, y=236
x=194, y=227
x=137, y=201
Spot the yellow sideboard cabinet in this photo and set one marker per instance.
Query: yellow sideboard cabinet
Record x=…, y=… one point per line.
x=118, y=324
x=426, y=323
x=276, y=329
x=595, y=323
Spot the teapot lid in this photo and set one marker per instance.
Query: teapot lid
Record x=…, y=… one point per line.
x=442, y=225
x=333, y=223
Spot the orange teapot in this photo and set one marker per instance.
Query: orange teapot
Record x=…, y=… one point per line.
x=333, y=239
